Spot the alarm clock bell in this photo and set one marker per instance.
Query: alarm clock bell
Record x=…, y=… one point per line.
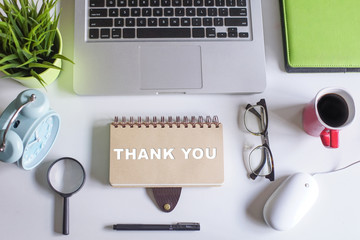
x=28, y=129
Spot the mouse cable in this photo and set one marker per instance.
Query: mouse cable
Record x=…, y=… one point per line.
x=336, y=170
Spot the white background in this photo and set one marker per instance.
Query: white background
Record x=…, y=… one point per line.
x=30, y=210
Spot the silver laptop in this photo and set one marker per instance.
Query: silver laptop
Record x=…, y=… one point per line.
x=168, y=46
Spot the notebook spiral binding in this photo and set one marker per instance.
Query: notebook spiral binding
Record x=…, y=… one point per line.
x=193, y=122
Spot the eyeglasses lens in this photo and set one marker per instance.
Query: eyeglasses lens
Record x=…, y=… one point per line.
x=260, y=161
x=255, y=119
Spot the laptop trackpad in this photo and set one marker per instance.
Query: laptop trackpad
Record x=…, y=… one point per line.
x=170, y=67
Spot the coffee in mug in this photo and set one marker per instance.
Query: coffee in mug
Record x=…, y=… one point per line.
x=333, y=109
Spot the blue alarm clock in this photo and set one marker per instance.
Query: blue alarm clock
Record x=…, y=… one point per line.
x=28, y=129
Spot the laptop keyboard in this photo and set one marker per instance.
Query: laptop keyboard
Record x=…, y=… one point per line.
x=168, y=19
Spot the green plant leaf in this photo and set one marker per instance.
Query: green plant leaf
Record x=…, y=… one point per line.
x=28, y=62
x=38, y=77
x=15, y=75
x=3, y=25
x=7, y=58
x=17, y=44
x=43, y=65
x=8, y=66
x=62, y=57
x=27, y=53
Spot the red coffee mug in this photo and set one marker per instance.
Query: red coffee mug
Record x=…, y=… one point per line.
x=331, y=110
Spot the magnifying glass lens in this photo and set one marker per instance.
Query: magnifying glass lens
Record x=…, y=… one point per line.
x=66, y=176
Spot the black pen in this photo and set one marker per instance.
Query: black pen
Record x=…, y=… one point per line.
x=158, y=227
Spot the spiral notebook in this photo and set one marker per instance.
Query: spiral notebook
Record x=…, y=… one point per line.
x=166, y=152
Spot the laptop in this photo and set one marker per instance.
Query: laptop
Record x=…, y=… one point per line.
x=133, y=47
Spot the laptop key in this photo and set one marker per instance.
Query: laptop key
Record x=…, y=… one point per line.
x=164, y=22
x=209, y=3
x=141, y=22
x=187, y=3
x=221, y=35
x=223, y=12
x=119, y=22
x=218, y=22
x=220, y=3
x=230, y=3
x=238, y=12
x=132, y=3
x=196, y=21
x=146, y=12
x=157, y=12
x=124, y=12
x=212, y=12
x=105, y=33
x=174, y=21
x=198, y=33
x=101, y=22
x=232, y=32
x=98, y=12
x=198, y=3
x=154, y=3
x=207, y=22
x=97, y=3
x=113, y=12
x=236, y=22
x=185, y=21
x=110, y=3
x=179, y=12
x=232, y=35
x=116, y=33
x=165, y=3
x=130, y=22
x=135, y=12
x=210, y=32
x=129, y=33
x=94, y=33
x=121, y=3
x=244, y=34
x=169, y=12
x=201, y=11
x=190, y=11
x=163, y=32
x=176, y=3
x=144, y=3
x=152, y=22
x=241, y=3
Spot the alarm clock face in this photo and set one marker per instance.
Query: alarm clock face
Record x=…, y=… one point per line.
x=40, y=141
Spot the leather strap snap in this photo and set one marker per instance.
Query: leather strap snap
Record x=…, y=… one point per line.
x=167, y=198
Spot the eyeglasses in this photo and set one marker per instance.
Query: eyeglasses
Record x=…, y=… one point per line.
x=260, y=158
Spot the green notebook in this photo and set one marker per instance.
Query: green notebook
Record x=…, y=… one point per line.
x=321, y=35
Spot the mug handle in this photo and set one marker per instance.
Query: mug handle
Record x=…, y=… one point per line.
x=330, y=138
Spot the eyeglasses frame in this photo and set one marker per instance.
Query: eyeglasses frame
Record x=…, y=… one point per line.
x=265, y=138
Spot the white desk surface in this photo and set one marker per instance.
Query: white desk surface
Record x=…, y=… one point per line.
x=29, y=209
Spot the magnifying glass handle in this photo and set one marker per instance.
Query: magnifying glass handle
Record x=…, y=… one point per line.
x=66, y=216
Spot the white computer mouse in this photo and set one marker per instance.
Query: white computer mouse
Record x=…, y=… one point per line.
x=291, y=201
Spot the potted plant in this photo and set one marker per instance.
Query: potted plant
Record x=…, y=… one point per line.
x=30, y=42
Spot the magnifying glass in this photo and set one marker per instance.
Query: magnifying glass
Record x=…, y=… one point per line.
x=66, y=176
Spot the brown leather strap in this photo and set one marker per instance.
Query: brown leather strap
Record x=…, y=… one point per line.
x=167, y=198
